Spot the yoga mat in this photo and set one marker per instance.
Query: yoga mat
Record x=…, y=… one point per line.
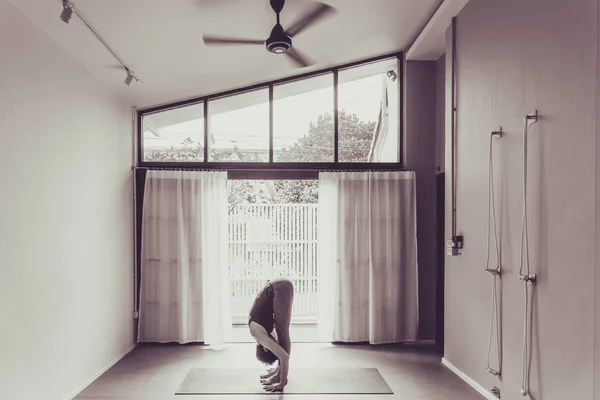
x=300, y=381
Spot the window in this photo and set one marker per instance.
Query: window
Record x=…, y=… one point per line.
x=344, y=115
x=175, y=135
x=368, y=113
x=239, y=127
x=273, y=232
x=303, y=120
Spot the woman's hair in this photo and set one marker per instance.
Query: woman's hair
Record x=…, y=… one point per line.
x=264, y=355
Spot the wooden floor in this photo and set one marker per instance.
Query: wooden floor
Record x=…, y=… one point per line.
x=154, y=372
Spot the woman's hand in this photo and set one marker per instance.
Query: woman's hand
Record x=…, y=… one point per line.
x=270, y=372
x=271, y=380
x=275, y=387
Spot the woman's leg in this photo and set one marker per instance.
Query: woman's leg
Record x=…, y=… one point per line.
x=282, y=311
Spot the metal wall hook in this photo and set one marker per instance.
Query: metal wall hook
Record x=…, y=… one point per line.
x=530, y=278
x=497, y=133
x=494, y=271
x=532, y=117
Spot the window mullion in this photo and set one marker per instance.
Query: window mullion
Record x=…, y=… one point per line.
x=270, y=123
x=335, y=117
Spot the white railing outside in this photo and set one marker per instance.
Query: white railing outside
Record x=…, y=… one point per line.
x=268, y=241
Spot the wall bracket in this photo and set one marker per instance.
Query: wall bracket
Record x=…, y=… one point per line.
x=496, y=391
x=530, y=278
x=532, y=117
x=454, y=246
x=494, y=271
x=497, y=133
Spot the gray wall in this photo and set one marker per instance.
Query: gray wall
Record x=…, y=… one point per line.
x=66, y=248
x=440, y=104
x=419, y=156
x=596, y=384
x=515, y=56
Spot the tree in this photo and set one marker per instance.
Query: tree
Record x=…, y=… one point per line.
x=238, y=191
x=354, y=143
x=190, y=152
x=354, y=140
x=355, y=137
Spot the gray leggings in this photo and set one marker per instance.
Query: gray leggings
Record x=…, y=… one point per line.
x=282, y=311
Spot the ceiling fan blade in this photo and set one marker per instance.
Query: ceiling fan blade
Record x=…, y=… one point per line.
x=221, y=40
x=114, y=66
x=300, y=59
x=318, y=12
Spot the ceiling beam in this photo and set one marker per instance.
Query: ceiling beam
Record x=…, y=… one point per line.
x=431, y=42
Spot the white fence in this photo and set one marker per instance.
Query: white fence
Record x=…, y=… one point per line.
x=268, y=241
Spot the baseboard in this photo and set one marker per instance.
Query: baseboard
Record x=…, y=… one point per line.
x=485, y=393
x=100, y=372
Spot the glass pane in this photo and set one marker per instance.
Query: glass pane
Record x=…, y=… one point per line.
x=239, y=127
x=368, y=104
x=272, y=233
x=175, y=135
x=303, y=120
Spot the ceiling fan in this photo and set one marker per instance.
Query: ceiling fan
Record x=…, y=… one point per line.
x=280, y=40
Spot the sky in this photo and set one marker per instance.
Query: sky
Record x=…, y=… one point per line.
x=248, y=128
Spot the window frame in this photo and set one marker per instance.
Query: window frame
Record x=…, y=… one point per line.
x=272, y=169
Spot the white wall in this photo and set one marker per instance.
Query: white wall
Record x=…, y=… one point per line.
x=515, y=56
x=596, y=383
x=65, y=218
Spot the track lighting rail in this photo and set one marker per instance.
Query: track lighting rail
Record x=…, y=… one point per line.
x=67, y=14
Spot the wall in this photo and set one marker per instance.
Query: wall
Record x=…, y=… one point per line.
x=596, y=384
x=419, y=156
x=440, y=107
x=65, y=218
x=440, y=126
x=515, y=56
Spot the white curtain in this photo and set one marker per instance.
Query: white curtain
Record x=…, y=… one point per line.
x=368, y=289
x=184, y=294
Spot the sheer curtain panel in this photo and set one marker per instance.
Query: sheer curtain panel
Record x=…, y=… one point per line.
x=368, y=287
x=184, y=294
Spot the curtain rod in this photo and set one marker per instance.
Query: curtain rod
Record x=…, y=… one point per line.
x=287, y=169
x=266, y=171
x=182, y=169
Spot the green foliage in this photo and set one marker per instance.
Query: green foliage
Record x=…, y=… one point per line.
x=354, y=143
x=355, y=138
x=190, y=152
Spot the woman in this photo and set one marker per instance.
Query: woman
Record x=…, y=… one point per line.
x=272, y=311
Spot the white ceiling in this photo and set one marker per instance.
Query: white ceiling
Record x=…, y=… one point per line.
x=431, y=43
x=162, y=40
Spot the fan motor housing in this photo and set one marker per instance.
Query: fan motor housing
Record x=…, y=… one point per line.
x=279, y=46
x=279, y=42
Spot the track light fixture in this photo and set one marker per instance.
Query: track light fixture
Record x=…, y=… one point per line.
x=67, y=12
x=392, y=75
x=130, y=77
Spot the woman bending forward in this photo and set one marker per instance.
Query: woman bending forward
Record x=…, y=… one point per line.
x=271, y=311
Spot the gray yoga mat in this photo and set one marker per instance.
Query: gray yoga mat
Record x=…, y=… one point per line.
x=300, y=381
